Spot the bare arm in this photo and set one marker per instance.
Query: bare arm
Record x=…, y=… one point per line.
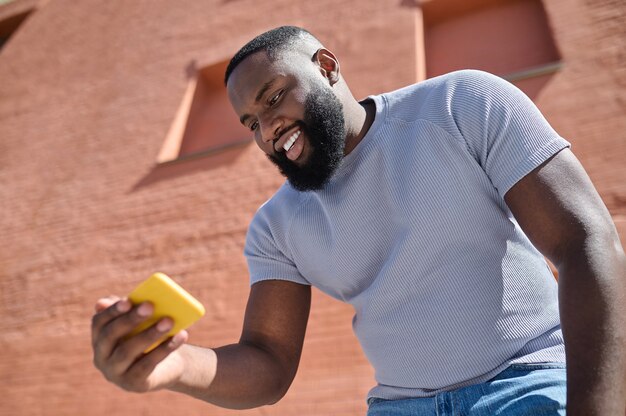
x=260, y=368
x=256, y=371
x=559, y=209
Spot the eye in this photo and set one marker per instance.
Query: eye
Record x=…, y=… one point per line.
x=275, y=98
x=254, y=125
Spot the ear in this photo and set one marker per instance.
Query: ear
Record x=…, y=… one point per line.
x=328, y=65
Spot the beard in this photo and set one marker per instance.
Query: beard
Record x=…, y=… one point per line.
x=324, y=128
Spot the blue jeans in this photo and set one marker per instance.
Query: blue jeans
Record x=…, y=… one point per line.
x=521, y=389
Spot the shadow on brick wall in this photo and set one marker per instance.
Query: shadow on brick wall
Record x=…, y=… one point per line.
x=198, y=162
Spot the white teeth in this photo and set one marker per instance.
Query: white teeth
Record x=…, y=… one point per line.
x=291, y=141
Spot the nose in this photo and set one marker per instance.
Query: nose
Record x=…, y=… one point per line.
x=269, y=129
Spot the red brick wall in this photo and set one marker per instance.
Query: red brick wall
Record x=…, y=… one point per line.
x=586, y=101
x=88, y=92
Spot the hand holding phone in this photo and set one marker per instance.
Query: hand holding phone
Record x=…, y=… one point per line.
x=169, y=300
x=123, y=359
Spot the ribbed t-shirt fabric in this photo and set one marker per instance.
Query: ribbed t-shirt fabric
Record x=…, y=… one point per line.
x=413, y=231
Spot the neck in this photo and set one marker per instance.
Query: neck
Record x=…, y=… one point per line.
x=359, y=117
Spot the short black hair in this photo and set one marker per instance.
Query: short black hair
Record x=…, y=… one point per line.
x=271, y=42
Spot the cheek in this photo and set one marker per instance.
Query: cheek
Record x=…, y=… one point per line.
x=295, y=103
x=265, y=147
x=299, y=95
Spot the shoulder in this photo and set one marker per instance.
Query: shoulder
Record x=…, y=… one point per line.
x=466, y=81
x=270, y=225
x=430, y=98
x=479, y=86
x=281, y=207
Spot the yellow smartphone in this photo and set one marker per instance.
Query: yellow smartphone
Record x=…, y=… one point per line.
x=168, y=299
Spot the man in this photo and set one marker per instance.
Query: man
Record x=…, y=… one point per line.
x=410, y=206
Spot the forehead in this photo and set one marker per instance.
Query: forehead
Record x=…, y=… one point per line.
x=257, y=70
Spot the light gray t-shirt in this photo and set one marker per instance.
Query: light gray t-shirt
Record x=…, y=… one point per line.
x=414, y=233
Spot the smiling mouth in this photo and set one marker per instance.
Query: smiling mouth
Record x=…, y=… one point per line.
x=289, y=143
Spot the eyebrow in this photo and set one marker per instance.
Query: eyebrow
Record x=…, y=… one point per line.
x=258, y=97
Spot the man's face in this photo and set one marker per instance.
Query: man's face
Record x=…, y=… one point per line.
x=296, y=118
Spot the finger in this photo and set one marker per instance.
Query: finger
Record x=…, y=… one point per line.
x=142, y=368
x=102, y=318
x=131, y=349
x=104, y=303
x=111, y=334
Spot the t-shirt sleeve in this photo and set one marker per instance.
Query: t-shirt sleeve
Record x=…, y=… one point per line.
x=502, y=128
x=266, y=251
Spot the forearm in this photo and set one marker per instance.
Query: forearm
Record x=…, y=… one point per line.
x=592, y=293
x=236, y=376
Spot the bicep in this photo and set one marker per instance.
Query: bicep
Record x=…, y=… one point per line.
x=276, y=318
x=558, y=207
